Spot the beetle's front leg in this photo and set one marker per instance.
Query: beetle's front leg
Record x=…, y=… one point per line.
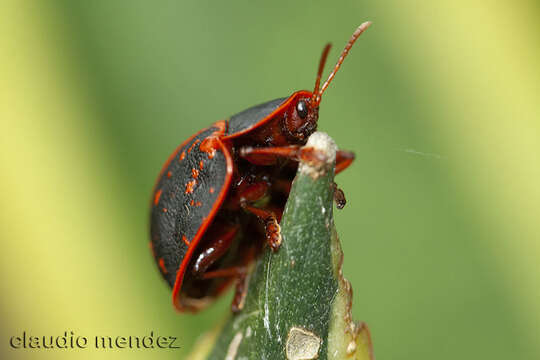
x=343, y=160
x=270, y=155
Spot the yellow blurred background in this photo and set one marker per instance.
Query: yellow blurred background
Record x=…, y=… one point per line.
x=439, y=100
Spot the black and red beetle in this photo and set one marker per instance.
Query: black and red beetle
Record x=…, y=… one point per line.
x=220, y=195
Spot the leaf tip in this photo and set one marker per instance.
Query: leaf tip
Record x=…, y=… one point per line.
x=318, y=155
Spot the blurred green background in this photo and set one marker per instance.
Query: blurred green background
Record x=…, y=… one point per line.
x=439, y=100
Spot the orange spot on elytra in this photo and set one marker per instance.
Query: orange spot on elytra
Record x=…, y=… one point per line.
x=192, y=202
x=201, y=164
x=211, y=143
x=169, y=174
x=182, y=156
x=221, y=127
x=194, y=173
x=209, y=146
x=190, y=186
x=162, y=265
x=198, y=203
x=212, y=190
x=193, y=145
x=184, y=239
x=157, y=196
x=164, y=209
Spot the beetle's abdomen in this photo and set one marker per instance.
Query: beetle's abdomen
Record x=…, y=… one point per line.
x=184, y=201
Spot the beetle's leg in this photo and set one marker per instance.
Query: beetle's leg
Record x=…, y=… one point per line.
x=343, y=160
x=252, y=193
x=284, y=187
x=238, y=272
x=270, y=155
x=216, y=248
x=240, y=293
x=247, y=193
x=339, y=196
x=271, y=225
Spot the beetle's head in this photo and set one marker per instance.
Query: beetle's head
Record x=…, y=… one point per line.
x=302, y=115
x=301, y=119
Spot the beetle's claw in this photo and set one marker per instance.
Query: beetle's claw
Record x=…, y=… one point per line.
x=239, y=293
x=339, y=197
x=273, y=233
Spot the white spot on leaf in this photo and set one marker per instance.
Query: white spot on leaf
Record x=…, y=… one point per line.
x=302, y=344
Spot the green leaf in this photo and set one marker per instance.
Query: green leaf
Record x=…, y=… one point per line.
x=298, y=305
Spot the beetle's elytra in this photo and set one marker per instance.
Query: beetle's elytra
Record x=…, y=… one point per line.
x=221, y=193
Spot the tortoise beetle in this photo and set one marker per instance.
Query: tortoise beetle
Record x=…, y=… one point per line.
x=220, y=195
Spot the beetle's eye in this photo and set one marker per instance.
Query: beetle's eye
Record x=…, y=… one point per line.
x=301, y=109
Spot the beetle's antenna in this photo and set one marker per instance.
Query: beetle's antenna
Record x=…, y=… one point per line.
x=354, y=37
x=324, y=55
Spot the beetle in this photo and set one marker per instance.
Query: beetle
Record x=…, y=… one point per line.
x=220, y=195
